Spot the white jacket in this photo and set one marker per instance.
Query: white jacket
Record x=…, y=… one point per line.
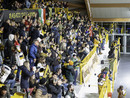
x=19, y=58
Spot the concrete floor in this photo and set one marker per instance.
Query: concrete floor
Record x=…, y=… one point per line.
x=123, y=76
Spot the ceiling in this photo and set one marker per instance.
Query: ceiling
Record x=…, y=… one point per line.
x=110, y=12
x=108, y=9
x=109, y=1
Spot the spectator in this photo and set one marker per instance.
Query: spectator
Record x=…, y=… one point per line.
x=70, y=72
x=33, y=53
x=70, y=91
x=55, y=87
x=28, y=4
x=8, y=50
x=42, y=90
x=10, y=80
x=26, y=74
x=3, y=92
x=121, y=92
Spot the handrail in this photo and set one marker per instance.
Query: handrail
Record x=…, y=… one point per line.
x=104, y=88
x=115, y=63
x=87, y=58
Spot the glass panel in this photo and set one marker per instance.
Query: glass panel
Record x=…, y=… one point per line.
x=119, y=27
x=128, y=27
x=110, y=40
x=121, y=41
x=128, y=44
x=107, y=25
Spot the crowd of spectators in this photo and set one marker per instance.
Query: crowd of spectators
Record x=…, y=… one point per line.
x=21, y=4
x=47, y=54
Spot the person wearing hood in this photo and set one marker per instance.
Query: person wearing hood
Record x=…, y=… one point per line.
x=8, y=47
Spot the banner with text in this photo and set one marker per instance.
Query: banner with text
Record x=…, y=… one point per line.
x=18, y=14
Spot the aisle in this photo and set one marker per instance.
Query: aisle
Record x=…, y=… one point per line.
x=123, y=76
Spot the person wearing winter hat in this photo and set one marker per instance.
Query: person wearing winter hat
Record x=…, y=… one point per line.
x=71, y=62
x=70, y=72
x=41, y=92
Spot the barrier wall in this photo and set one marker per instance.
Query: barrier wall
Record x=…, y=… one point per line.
x=88, y=63
x=108, y=87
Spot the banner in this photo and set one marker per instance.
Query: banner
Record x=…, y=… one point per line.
x=18, y=14
x=42, y=14
x=91, y=64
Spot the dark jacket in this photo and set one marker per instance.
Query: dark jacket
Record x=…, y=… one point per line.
x=22, y=33
x=26, y=74
x=6, y=30
x=23, y=47
x=11, y=75
x=54, y=90
x=70, y=73
x=7, y=49
x=35, y=34
x=71, y=94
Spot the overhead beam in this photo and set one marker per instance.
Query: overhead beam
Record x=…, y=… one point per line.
x=73, y=5
x=87, y=3
x=111, y=19
x=100, y=5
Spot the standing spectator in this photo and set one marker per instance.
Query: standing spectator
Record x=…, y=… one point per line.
x=8, y=50
x=28, y=4
x=70, y=72
x=19, y=56
x=26, y=74
x=33, y=53
x=121, y=92
x=90, y=43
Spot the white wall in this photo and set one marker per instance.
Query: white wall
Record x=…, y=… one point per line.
x=111, y=12
x=109, y=1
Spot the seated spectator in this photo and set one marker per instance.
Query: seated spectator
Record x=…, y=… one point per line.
x=11, y=79
x=55, y=86
x=70, y=93
x=42, y=92
x=3, y=92
x=33, y=84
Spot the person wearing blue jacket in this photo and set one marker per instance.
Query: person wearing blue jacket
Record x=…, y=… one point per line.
x=33, y=53
x=26, y=74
